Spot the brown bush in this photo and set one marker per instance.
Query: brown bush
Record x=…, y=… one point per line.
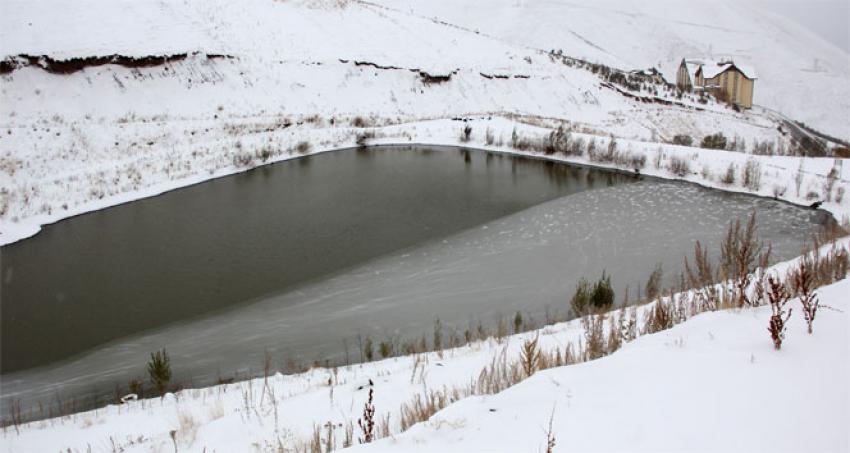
x=778, y=297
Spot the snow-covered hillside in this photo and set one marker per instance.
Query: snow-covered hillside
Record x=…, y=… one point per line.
x=189, y=83
x=799, y=73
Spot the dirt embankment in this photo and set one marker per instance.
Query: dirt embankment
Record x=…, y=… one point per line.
x=71, y=65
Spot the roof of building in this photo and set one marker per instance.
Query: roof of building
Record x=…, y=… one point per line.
x=712, y=69
x=692, y=66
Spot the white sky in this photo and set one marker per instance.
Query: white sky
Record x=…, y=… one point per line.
x=827, y=18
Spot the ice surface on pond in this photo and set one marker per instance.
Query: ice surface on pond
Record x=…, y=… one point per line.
x=529, y=261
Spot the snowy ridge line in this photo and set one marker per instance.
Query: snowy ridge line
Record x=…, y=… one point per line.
x=286, y=410
x=427, y=77
x=72, y=65
x=777, y=173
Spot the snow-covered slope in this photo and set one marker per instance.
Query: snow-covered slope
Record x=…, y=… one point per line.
x=712, y=384
x=799, y=73
x=78, y=133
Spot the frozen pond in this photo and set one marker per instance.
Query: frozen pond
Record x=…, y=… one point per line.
x=301, y=257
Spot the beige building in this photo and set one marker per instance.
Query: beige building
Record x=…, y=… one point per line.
x=727, y=80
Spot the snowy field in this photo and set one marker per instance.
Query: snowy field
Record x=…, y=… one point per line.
x=670, y=391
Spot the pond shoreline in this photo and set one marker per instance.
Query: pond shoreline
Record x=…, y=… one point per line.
x=445, y=133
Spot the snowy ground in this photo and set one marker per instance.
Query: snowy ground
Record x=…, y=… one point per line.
x=304, y=70
x=671, y=391
x=56, y=183
x=712, y=384
x=798, y=73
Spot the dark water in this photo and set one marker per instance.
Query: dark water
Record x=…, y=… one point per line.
x=105, y=275
x=299, y=257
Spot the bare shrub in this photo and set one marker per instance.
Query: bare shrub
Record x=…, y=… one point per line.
x=809, y=147
x=422, y=407
x=550, y=436
x=489, y=139
x=362, y=138
x=803, y=284
x=659, y=317
x=594, y=336
x=629, y=159
x=15, y=415
x=653, y=283
x=466, y=133
x=659, y=157
x=679, y=166
x=701, y=277
x=188, y=428
x=303, y=147
x=715, y=141
x=530, y=356
x=367, y=421
x=243, y=159
x=729, y=177
x=616, y=332
x=825, y=269
x=778, y=297
x=361, y=122
x=764, y=148
x=264, y=153
x=740, y=254
x=683, y=140
x=833, y=176
x=701, y=274
x=751, y=175
x=558, y=141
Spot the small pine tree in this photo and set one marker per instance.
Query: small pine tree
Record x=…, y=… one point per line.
x=386, y=349
x=517, y=322
x=159, y=371
x=580, y=303
x=603, y=295
x=438, y=335
x=368, y=349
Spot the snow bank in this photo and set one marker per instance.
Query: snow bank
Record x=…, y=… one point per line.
x=712, y=384
x=49, y=184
